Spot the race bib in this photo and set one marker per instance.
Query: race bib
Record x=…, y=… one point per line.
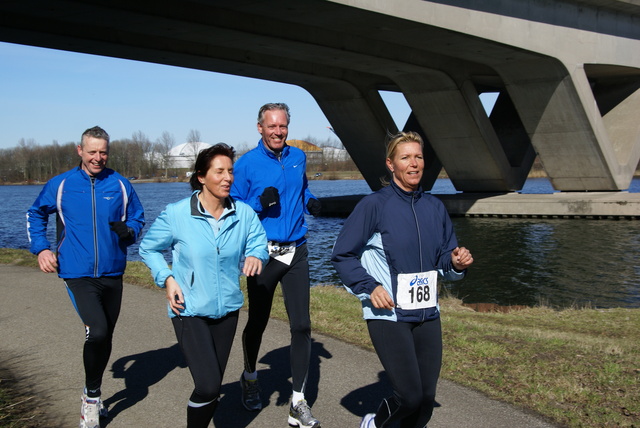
x=282, y=254
x=417, y=290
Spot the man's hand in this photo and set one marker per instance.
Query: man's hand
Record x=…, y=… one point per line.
x=314, y=206
x=121, y=229
x=48, y=261
x=269, y=197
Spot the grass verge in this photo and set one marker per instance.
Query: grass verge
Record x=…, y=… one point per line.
x=579, y=367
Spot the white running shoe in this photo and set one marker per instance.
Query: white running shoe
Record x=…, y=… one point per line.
x=368, y=421
x=300, y=416
x=91, y=411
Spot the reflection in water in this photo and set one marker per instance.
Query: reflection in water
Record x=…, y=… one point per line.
x=558, y=262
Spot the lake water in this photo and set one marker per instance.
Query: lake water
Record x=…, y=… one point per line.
x=560, y=262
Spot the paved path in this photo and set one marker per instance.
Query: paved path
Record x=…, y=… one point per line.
x=147, y=383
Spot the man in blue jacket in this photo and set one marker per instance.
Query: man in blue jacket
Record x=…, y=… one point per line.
x=98, y=216
x=272, y=179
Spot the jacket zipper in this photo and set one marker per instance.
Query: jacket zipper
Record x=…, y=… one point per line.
x=415, y=218
x=95, y=227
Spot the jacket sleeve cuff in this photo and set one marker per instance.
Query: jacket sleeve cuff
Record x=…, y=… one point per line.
x=162, y=276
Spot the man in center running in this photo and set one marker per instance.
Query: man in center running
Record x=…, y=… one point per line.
x=271, y=178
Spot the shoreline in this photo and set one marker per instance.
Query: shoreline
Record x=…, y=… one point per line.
x=311, y=176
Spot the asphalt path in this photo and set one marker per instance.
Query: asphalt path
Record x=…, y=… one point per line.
x=147, y=382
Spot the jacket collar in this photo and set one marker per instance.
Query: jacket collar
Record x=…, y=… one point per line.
x=267, y=151
x=229, y=204
x=408, y=196
x=104, y=173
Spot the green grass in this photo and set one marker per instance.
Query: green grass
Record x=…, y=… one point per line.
x=579, y=367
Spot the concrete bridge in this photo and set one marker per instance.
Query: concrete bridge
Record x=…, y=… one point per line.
x=567, y=72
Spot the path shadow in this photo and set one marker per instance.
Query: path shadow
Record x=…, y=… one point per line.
x=367, y=398
x=274, y=380
x=139, y=372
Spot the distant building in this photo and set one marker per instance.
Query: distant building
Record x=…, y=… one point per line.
x=184, y=155
x=313, y=152
x=332, y=154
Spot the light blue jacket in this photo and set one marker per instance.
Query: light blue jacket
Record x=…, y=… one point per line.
x=206, y=265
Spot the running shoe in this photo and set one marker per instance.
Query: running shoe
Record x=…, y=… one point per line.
x=250, y=394
x=300, y=416
x=368, y=421
x=91, y=411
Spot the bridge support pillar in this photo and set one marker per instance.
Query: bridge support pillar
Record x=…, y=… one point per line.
x=361, y=119
x=462, y=135
x=579, y=148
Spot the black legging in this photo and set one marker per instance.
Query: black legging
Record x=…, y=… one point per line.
x=206, y=345
x=97, y=301
x=295, y=290
x=411, y=354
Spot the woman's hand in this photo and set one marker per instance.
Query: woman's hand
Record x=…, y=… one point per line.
x=174, y=295
x=461, y=258
x=380, y=299
x=252, y=266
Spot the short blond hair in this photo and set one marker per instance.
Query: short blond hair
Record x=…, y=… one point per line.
x=401, y=138
x=394, y=140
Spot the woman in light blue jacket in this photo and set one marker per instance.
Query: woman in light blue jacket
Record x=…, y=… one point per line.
x=210, y=235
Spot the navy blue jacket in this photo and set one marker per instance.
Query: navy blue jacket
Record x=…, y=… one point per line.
x=390, y=232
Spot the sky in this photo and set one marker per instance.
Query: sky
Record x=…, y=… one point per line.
x=49, y=95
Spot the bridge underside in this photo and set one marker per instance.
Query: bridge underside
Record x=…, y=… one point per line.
x=567, y=73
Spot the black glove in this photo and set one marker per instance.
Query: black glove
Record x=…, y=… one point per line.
x=269, y=197
x=314, y=206
x=123, y=231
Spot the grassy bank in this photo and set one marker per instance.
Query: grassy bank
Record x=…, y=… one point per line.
x=580, y=367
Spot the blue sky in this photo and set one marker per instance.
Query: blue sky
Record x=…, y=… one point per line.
x=49, y=95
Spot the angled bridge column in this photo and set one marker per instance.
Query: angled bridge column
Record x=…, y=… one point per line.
x=579, y=149
x=461, y=134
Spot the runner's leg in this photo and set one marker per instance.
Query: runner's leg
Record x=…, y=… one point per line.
x=260, y=291
x=295, y=290
x=98, y=302
x=393, y=342
x=206, y=345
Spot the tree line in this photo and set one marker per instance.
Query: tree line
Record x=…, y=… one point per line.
x=137, y=156
x=32, y=163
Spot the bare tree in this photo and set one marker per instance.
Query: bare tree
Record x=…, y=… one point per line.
x=191, y=149
x=23, y=157
x=193, y=136
x=118, y=157
x=140, y=150
x=164, y=144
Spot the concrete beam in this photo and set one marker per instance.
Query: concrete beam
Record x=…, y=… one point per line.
x=593, y=205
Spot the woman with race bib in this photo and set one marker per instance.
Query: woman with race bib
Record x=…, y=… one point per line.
x=389, y=253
